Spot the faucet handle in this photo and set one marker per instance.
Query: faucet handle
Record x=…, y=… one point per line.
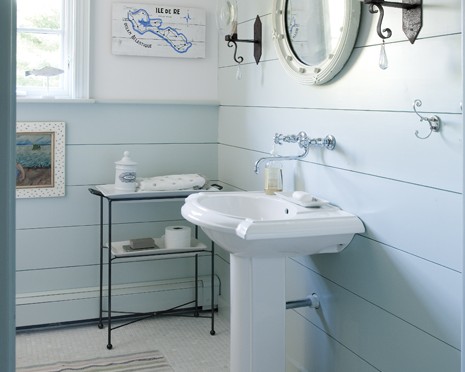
x=280, y=138
x=290, y=138
x=304, y=141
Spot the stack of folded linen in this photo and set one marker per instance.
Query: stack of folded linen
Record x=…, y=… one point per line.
x=172, y=182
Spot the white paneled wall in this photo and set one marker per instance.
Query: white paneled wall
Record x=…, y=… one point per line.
x=391, y=301
x=145, y=78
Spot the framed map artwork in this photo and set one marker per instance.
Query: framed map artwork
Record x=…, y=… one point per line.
x=158, y=30
x=40, y=159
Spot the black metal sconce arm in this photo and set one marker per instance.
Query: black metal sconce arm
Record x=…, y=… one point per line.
x=232, y=41
x=412, y=16
x=257, y=41
x=392, y=4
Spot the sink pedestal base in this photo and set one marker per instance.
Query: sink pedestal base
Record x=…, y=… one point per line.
x=258, y=307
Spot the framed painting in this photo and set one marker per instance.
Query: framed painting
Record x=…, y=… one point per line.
x=40, y=159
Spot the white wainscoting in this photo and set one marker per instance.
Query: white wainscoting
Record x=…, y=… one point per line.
x=391, y=301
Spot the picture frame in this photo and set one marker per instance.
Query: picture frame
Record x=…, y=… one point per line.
x=154, y=30
x=40, y=159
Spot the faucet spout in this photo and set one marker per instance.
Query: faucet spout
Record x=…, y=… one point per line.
x=267, y=159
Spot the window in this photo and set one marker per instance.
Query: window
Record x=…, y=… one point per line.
x=52, y=53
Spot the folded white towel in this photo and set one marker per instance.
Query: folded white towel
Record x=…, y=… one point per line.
x=172, y=182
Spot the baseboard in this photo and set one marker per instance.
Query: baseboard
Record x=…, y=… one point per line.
x=224, y=307
x=83, y=303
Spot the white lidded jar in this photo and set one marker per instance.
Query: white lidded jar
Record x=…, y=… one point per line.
x=125, y=174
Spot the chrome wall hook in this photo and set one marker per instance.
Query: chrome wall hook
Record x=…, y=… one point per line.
x=433, y=121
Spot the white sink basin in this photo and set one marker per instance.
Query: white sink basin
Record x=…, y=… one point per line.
x=260, y=231
x=253, y=224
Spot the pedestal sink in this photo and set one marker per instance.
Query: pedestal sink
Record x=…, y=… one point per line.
x=260, y=231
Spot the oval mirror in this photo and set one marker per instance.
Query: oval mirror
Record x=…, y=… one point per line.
x=314, y=38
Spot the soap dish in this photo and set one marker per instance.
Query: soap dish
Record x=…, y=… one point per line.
x=313, y=203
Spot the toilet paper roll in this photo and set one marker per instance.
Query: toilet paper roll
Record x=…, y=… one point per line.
x=177, y=237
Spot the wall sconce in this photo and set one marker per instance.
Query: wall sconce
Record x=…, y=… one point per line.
x=412, y=16
x=257, y=41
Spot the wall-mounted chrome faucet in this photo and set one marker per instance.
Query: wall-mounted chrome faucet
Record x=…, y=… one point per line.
x=329, y=142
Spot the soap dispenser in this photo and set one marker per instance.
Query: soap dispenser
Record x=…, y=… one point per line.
x=273, y=176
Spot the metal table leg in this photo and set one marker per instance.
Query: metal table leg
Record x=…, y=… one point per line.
x=196, y=311
x=100, y=323
x=109, y=345
x=212, y=331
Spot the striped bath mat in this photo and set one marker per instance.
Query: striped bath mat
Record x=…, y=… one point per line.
x=140, y=362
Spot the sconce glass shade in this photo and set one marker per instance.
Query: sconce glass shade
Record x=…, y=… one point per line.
x=226, y=16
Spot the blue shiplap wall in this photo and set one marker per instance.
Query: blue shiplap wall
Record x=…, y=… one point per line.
x=391, y=301
x=57, y=238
